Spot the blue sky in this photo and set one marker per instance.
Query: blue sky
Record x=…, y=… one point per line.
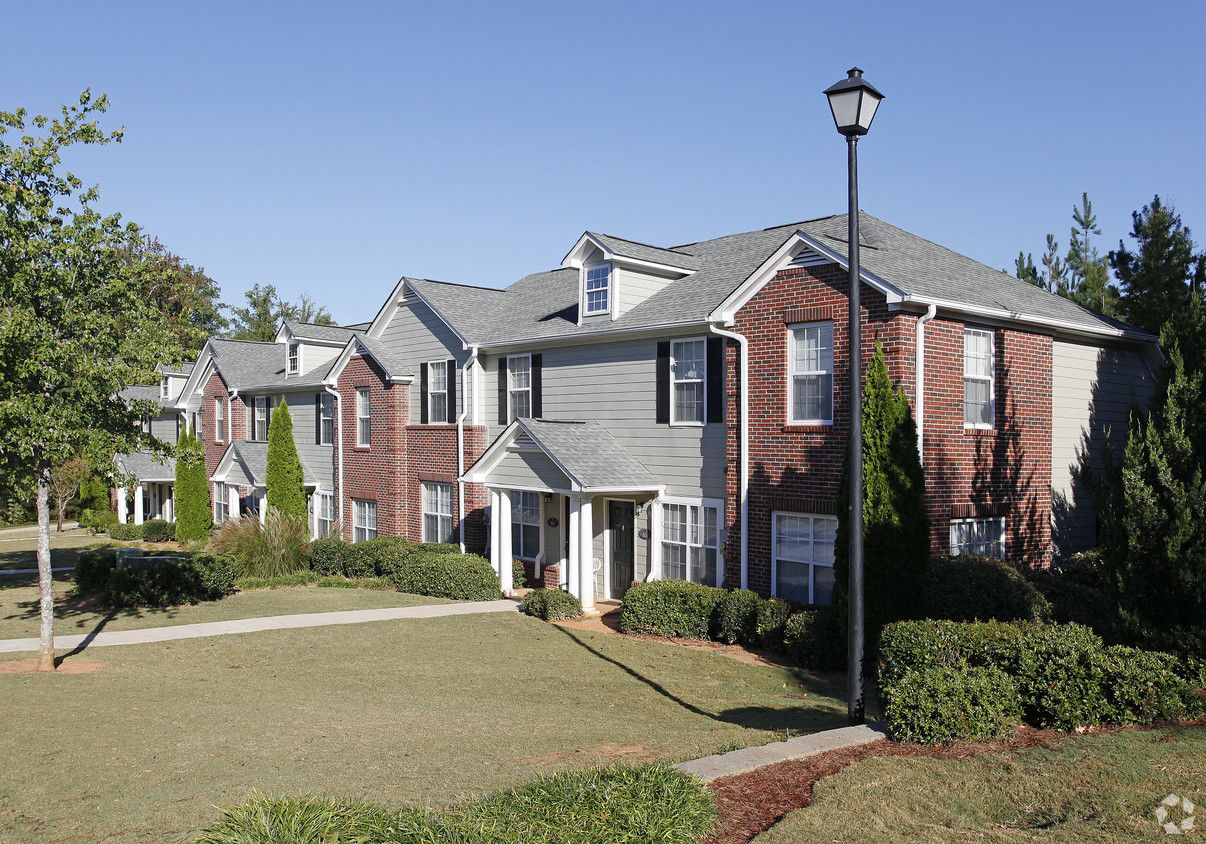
x=331, y=148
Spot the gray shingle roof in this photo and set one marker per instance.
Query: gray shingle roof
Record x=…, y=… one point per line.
x=146, y=466
x=140, y=392
x=644, y=252
x=394, y=364
x=591, y=455
x=245, y=364
x=328, y=333
x=254, y=459
x=181, y=369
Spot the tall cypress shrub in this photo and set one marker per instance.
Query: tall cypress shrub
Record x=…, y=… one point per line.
x=286, y=484
x=896, y=528
x=193, y=514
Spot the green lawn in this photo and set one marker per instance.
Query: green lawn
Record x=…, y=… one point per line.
x=1096, y=788
x=400, y=712
x=21, y=552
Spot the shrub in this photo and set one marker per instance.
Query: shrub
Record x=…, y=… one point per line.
x=378, y=557
x=771, y=623
x=168, y=583
x=284, y=480
x=736, y=617
x=194, y=518
x=941, y=704
x=157, y=530
x=443, y=574
x=551, y=605
x=1141, y=688
x=975, y=588
x=1060, y=676
x=330, y=555
x=519, y=577
x=92, y=568
x=816, y=638
x=1072, y=601
x=99, y=520
x=1185, y=642
x=280, y=546
x=670, y=608
x=123, y=532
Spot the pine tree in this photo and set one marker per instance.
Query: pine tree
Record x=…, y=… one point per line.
x=1089, y=283
x=1159, y=278
x=896, y=528
x=193, y=514
x=286, y=483
x=1053, y=278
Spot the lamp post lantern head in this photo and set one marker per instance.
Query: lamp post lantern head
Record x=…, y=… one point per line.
x=853, y=102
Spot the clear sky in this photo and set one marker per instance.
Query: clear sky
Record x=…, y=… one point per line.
x=331, y=148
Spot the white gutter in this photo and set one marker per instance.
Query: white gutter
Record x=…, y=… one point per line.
x=460, y=440
x=234, y=394
x=338, y=451
x=743, y=487
x=919, y=373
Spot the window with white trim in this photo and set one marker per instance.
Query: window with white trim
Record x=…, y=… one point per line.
x=690, y=542
x=598, y=289
x=802, y=556
x=983, y=536
x=164, y=389
x=525, y=525
x=259, y=422
x=364, y=425
x=810, y=360
x=437, y=512
x=324, y=514
x=519, y=387
x=364, y=520
x=688, y=381
x=437, y=392
x=978, y=398
x=293, y=358
x=326, y=419
x=219, y=420
x=221, y=502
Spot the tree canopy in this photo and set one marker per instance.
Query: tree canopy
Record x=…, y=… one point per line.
x=266, y=309
x=1162, y=274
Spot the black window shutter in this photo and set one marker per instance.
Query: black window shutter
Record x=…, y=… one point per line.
x=715, y=379
x=451, y=390
x=423, y=394
x=663, y=383
x=318, y=418
x=502, y=391
x=537, y=364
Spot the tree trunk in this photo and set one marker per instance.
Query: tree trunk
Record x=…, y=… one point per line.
x=45, y=576
x=62, y=505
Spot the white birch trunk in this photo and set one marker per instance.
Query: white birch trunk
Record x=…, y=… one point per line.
x=45, y=576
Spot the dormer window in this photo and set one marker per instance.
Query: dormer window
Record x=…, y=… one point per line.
x=164, y=389
x=293, y=361
x=598, y=289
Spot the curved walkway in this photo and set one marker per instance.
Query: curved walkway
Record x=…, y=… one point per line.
x=750, y=758
x=254, y=625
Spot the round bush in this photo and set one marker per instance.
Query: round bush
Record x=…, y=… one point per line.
x=169, y=583
x=1061, y=676
x=974, y=588
x=670, y=608
x=736, y=617
x=1073, y=601
x=816, y=639
x=123, y=532
x=519, y=577
x=941, y=705
x=551, y=605
x=157, y=530
x=92, y=568
x=329, y=556
x=377, y=557
x=771, y=623
x=908, y=645
x=1141, y=687
x=440, y=574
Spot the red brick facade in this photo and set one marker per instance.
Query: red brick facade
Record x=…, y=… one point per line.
x=236, y=425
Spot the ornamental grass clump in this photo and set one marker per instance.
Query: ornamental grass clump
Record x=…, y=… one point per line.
x=280, y=546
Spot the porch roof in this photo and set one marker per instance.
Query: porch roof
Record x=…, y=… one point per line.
x=148, y=467
x=246, y=464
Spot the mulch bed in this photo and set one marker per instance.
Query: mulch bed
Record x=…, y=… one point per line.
x=753, y=802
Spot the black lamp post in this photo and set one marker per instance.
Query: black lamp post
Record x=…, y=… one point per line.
x=853, y=102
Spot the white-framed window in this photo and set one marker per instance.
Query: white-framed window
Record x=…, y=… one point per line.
x=165, y=389
x=983, y=536
x=519, y=387
x=326, y=419
x=194, y=422
x=364, y=520
x=325, y=514
x=221, y=502
x=525, y=524
x=690, y=542
x=437, y=392
x=259, y=421
x=978, y=389
x=598, y=289
x=802, y=557
x=364, y=426
x=219, y=420
x=437, y=512
x=293, y=358
x=810, y=363
x=688, y=381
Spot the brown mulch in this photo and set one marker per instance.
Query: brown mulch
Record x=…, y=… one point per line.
x=64, y=666
x=751, y=803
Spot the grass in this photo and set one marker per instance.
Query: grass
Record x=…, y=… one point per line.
x=408, y=712
x=1092, y=788
x=21, y=552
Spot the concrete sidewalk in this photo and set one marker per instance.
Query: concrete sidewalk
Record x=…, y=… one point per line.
x=255, y=625
x=750, y=758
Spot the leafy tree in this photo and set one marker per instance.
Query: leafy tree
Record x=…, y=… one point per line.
x=1090, y=284
x=193, y=513
x=896, y=528
x=192, y=302
x=65, y=481
x=286, y=484
x=266, y=310
x=1162, y=275
x=79, y=319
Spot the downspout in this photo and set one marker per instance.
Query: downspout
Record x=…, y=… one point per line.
x=919, y=372
x=234, y=394
x=338, y=449
x=743, y=483
x=460, y=440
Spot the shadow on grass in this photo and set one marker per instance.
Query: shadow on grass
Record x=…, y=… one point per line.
x=87, y=640
x=795, y=719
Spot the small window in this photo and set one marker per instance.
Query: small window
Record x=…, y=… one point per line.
x=437, y=392
x=810, y=358
x=293, y=363
x=437, y=512
x=364, y=428
x=259, y=429
x=221, y=502
x=802, y=557
x=985, y=537
x=219, y=420
x=688, y=377
x=325, y=515
x=525, y=525
x=519, y=387
x=165, y=389
x=598, y=289
x=978, y=397
x=326, y=419
x=690, y=542
x=364, y=520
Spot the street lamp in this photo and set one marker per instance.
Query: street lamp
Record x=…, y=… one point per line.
x=854, y=102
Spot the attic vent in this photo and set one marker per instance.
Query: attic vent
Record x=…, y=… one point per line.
x=808, y=258
x=523, y=440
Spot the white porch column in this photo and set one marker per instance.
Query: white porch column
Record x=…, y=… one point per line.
x=503, y=519
x=122, y=507
x=586, y=555
x=169, y=503
x=232, y=502
x=569, y=576
x=263, y=499
x=138, y=514
x=655, y=539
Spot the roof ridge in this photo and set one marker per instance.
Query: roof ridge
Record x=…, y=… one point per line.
x=756, y=231
x=647, y=245
x=250, y=342
x=455, y=284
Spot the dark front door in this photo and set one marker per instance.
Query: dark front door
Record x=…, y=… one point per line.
x=620, y=516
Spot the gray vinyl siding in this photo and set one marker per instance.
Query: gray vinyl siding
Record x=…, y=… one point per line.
x=319, y=458
x=528, y=469
x=632, y=288
x=163, y=426
x=1092, y=392
x=417, y=335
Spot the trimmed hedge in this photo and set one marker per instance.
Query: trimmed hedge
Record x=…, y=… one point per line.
x=551, y=605
x=975, y=588
x=377, y=557
x=736, y=617
x=92, y=568
x=190, y=579
x=445, y=574
x=670, y=608
x=157, y=530
x=816, y=638
x=771, y=623
x=124, y=532
x=331, y=556
x=940, y=705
